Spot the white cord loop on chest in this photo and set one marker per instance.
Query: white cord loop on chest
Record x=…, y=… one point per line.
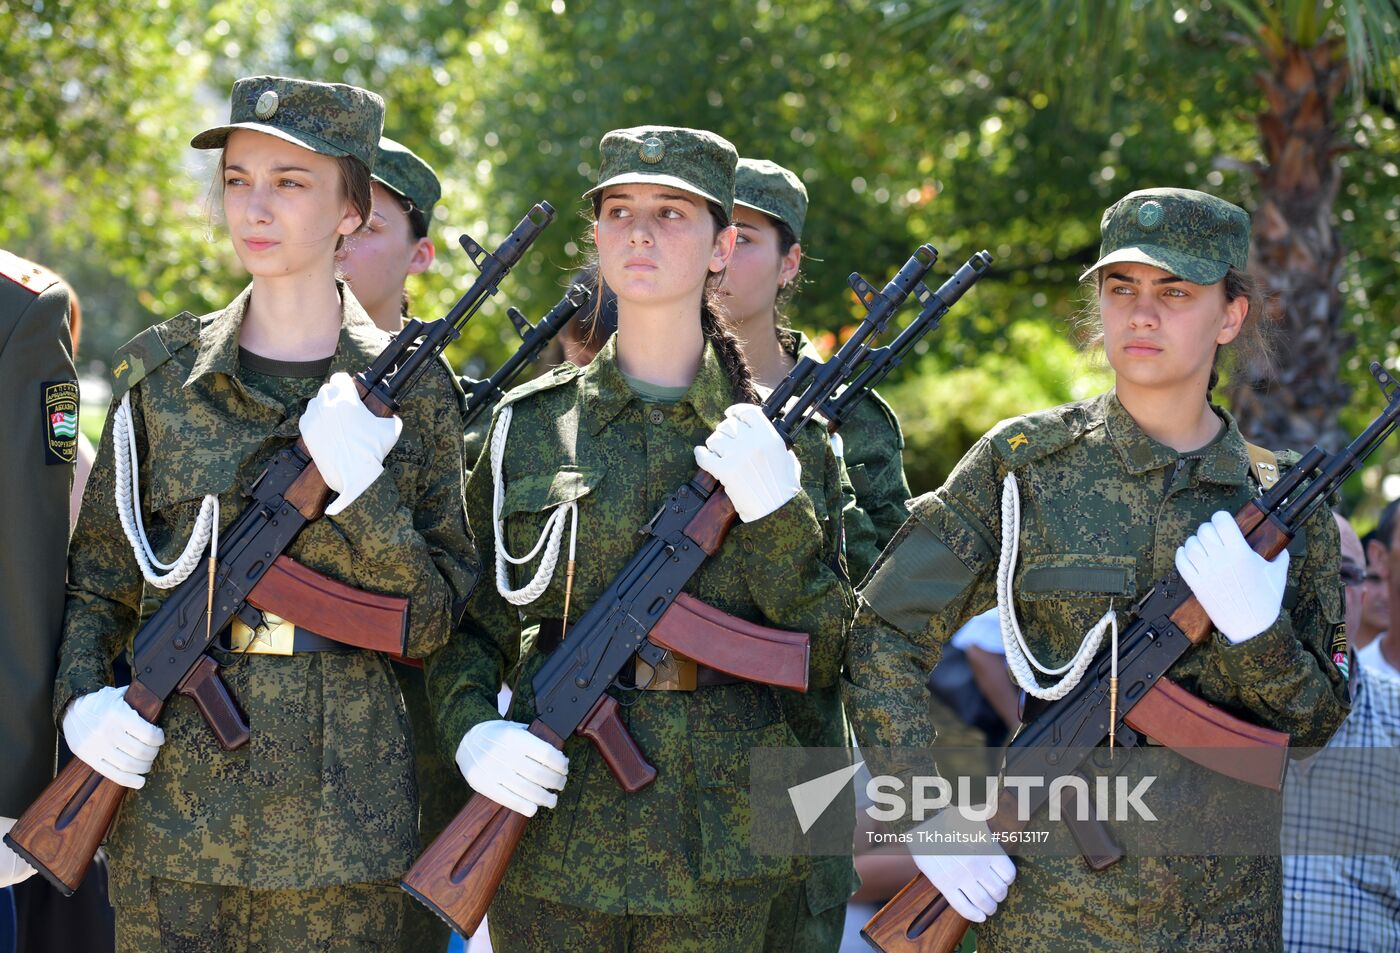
x=1019, y=657
x=162, y=575
x=550, y=537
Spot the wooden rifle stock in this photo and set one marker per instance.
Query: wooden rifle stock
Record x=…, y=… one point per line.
x=458, y=875
x=60, y=832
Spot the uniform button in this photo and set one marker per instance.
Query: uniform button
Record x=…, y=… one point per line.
x=657, y=416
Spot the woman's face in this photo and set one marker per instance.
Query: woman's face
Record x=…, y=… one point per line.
x=1160, y=331
x=758, y=268
x=657, y=244
x=377, y=260
x=285, y=205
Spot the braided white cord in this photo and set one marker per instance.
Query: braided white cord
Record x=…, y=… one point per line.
x=128, y=495
x=1019, y=657
x=550, y=537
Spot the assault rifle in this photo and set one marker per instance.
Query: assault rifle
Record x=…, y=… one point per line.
x=644, y=613
x=485, y=394
x=1163, y=624
x=59, y=833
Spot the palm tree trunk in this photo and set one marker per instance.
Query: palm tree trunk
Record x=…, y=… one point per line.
x=1297, y=252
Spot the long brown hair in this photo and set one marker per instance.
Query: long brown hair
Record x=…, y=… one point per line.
x=714, y=320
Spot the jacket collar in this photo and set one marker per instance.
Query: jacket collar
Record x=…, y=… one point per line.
x=606, y=392
x=1224, y=461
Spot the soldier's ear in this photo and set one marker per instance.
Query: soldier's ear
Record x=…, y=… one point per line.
x=1235, y=313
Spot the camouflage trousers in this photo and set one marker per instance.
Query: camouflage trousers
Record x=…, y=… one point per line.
x=528, y=925
x=441, y=794
x=168, y=916
x=793, y=926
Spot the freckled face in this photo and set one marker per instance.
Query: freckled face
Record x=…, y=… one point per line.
x=657, y=244
x=285, y=206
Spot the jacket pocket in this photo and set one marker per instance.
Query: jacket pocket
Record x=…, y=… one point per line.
x=531, y=499
x=725, y=806
x=1061, y=596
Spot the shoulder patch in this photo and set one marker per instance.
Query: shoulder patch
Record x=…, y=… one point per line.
x=1024, y=439
x=135, y=359
x=25, y=273
x=560, y=375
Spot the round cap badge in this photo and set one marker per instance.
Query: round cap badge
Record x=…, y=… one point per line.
x=1150, y=215
x=267, y=104
x=653, y=149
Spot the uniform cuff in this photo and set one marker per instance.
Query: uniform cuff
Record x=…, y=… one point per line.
x=368, y=513
x=1257, y=658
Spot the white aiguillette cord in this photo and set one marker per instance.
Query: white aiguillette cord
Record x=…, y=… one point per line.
x=128, y=498
x=1019, y=657
x=550, y=537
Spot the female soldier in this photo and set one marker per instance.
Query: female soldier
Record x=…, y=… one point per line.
x=295, y=840
x=1109, y=490
x=770, y=206
x=670, y=866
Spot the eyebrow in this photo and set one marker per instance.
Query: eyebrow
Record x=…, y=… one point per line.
x=1169, y=280
x=280, y=168
x=666, y=196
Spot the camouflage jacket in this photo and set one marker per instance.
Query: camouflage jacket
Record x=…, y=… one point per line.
x=324, y=791
x=1103, y=509
x=681, y=844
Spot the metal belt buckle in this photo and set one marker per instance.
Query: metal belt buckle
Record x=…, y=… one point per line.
x=274, y=637
x=675, y=674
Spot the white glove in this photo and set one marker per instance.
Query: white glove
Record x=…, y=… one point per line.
x=1240, y=590
x=973, y=883
x=746, y=454
x=13, y=869
x=111, y=738
x=503, y=761
x=347, y=441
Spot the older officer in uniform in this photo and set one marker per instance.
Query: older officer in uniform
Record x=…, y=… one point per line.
x=39, y=393
x=377, y=263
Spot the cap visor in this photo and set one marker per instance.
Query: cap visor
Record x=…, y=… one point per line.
x=1200, y=271
x=643, y=178
x=216, y=138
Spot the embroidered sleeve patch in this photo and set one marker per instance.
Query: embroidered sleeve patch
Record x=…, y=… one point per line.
x=60, y=421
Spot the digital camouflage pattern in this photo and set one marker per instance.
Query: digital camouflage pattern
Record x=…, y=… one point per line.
x=1103, y=509
x=811, y=916
x=474, y=440
x=324, y=792
x=165, y=916
x=773, y=190
x=401, y=170
x=332, y=119
x=1191, y=234
x=521, y=925
x=695, y=160
x=679, y=846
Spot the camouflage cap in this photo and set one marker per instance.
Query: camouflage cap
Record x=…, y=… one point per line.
x=769, y=188
x=397, y=168
x=330, y=118
x=1193, y=235
x=694, y=160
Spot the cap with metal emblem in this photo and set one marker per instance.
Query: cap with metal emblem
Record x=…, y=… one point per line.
x=332, y=119
x=1191, y=234
x=398, y=169
x=776, y=192
x=693, y=160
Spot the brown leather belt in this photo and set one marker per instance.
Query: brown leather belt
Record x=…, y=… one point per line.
x=677, y=674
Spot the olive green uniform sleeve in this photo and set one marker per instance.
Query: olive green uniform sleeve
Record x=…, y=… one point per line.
x=1284, y=676
x=936, y=573
x=424, y=551
x=104, y=583
x=874, y=458
x=465, y=677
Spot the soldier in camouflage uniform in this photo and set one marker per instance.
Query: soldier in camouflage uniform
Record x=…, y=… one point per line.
x=1110, y=489
x=669, y=867
x=770, y=207
x=294, y=841
x=377, y=262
